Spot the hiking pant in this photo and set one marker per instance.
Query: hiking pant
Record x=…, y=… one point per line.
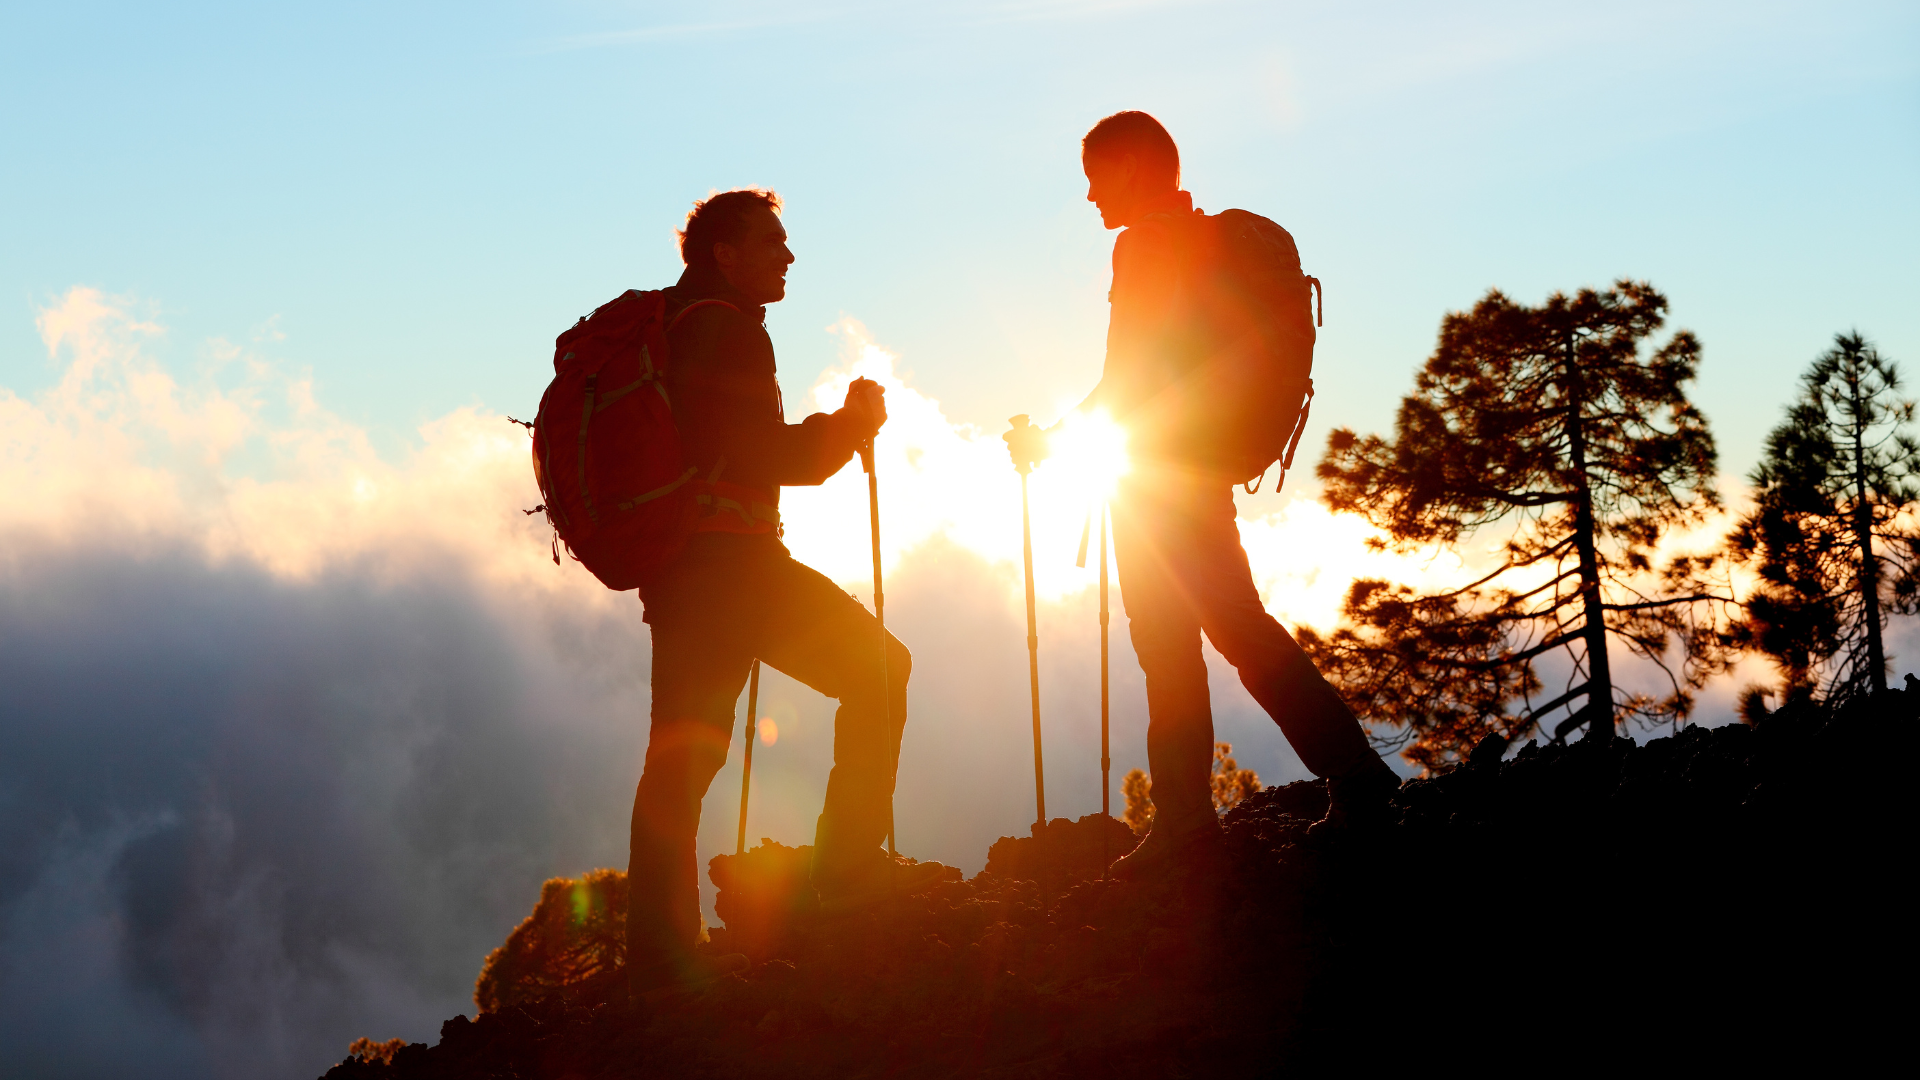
x=712, y=612
x=1183, y=572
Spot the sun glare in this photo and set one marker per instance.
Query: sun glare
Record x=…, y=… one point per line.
x=955, y=482
x=1089, y=454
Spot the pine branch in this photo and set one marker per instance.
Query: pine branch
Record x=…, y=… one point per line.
x=1669, y=602
x=1533, y=715
x=1545, y=647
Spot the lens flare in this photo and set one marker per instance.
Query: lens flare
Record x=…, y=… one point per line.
x=769, y=731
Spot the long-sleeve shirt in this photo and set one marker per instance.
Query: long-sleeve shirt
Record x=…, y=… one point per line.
x=726, y=396
x=1153, y=344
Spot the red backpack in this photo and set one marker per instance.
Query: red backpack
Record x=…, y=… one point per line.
x=606, y=452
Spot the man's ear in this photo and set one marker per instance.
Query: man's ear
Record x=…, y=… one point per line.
x=725, y=255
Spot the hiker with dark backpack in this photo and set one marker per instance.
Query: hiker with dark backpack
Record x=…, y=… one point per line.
x=1208, y=368
x=661, y=448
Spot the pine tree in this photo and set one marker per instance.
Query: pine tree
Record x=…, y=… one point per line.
x=1830, y=535
x=1550, y=425
x=1426, y=671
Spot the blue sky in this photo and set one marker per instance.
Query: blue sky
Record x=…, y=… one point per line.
x=411, y=200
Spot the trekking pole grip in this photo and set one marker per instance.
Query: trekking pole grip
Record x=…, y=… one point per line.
x=1021, y=425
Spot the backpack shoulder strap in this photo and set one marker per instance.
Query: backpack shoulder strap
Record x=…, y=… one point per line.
x=695, y=306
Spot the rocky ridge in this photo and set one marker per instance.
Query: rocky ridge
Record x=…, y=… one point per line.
x=1719, y=896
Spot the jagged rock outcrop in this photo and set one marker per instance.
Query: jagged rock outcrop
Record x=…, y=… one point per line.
x=1719, y=897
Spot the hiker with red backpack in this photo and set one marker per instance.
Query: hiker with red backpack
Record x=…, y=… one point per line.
x=1208, y=367
x=661, y=448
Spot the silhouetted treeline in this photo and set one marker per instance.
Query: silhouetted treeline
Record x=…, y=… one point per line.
x=1562, y=438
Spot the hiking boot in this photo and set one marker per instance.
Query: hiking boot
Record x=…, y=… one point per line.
x=869, y=882
x=1170, y=846
x=1361, y=802
x=694, y=971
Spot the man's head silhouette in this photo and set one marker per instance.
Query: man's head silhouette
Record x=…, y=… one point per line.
x=739, y=234
x=1131, y=162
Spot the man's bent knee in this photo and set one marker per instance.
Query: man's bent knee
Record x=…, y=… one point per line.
x=899, y=662
x=690, y=745
x=866, y=676
x=682, y=760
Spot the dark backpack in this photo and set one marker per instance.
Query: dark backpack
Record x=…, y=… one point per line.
x=1257, y=307
x=606, y=451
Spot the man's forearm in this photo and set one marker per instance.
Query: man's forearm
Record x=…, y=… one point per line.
x=803, y=454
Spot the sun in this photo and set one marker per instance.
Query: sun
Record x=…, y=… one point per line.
x=1089, y=454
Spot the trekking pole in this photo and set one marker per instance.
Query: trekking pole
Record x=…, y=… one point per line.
x=746, y=774
x=1106, y=761
x=1033, y=633
x=880, y=616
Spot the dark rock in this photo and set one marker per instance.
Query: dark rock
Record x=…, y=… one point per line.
x=1488, y=751
x=1723, y=896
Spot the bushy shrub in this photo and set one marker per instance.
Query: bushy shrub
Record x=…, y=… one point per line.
x=1136, y=787
x=1231, y=783
x=577, y=931
x=367, y=1051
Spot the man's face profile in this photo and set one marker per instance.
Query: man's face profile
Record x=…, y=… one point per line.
x=756, y=264
x=1110, y=186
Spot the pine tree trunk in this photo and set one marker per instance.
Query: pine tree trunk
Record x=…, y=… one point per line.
x=1599, y=672
x=1863, y=535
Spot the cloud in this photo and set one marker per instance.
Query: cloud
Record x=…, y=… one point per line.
x=286, y=811
x=291, y=734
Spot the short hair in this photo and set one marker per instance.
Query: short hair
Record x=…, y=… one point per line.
x=720, y=219
x=1134, y=132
